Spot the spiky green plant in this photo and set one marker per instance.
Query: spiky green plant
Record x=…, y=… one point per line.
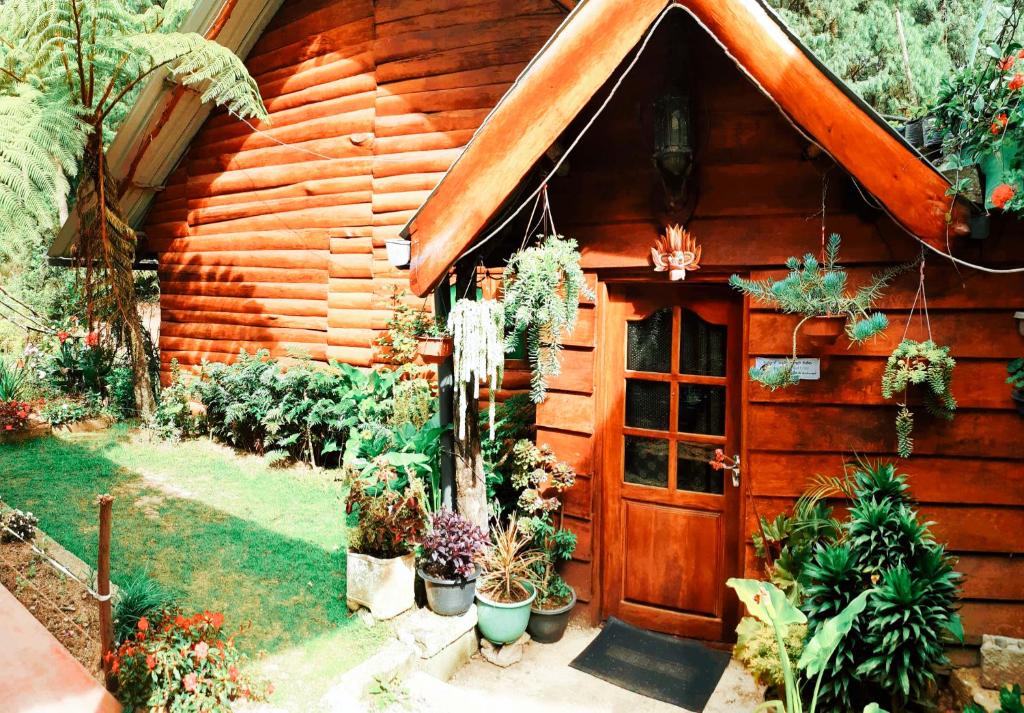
x=69, y=70
x=918, y=364
x=138, y=596
x=541, y=295
x=816, y=288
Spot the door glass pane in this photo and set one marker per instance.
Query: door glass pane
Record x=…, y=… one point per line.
x=647, y=404
x=646, y=461
x=649, y=343
x=693, y=472
x=702, y=348
x=702, y=409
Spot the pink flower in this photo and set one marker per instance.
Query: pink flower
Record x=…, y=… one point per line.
x=202, y=650
x=233, y=672
x=151, y=662
x=189, y=682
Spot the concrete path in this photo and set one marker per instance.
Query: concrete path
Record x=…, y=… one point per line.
x=38, y=674
x=543, y=682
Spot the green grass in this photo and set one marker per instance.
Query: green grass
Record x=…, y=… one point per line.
x=264, y=545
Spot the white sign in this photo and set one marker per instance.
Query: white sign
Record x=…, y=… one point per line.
x=808, y=368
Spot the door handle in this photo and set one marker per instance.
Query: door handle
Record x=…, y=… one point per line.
x=724, y=462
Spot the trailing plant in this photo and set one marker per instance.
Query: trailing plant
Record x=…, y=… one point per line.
x=1015, y=369
x=508, y=564
x=541, y=294
x=541, y=478
x=183, y=664
x=18, y=526
x=388, y=511
x=889, y=656
x=477, y=330
x=404, y=328
x=918, y=363
x=138, y=597
x=768, y=604
x=451, y=546
x=1009, y=701
x=817, y=289
x=14, y=415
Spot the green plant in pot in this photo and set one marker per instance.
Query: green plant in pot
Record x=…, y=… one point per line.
x=918, y=364
x=448, y=565
x=541, y=478
x=817, y=292
x=1015, y=369
x=389, y=521
x=505, y=589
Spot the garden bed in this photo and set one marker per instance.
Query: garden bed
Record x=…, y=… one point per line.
x=58, y=602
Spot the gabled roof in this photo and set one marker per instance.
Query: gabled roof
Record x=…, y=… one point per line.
x=166, y=117
x=581, y=57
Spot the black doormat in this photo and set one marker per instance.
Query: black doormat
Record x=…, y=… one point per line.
x=682, y=672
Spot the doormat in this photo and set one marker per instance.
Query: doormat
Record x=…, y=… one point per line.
x=682, y=672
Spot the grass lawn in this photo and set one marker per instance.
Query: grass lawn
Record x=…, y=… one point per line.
x=264, y=545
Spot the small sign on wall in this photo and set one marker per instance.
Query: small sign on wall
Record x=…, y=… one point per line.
x=808, y=368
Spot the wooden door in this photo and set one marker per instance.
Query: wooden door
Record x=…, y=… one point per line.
x=672, y=388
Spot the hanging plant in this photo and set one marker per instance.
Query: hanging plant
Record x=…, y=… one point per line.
x=818, y=292
x=477, y=330
x=542, y=287
x=918, y=363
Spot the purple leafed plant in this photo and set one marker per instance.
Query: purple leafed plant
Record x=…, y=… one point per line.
x=451, y=546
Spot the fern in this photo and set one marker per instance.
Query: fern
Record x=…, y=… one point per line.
x=918, y=364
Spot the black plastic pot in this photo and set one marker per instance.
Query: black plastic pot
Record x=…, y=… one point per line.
x=1018, y=398
x=548, y=625
x=449, y=597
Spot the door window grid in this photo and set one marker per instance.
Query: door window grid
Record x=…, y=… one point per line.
x=648, y=334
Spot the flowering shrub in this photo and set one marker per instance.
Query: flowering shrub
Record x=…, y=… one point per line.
x=18, y=526
x=451, y=547
x=64, y=410
x=390, y=518
x=182, y=664
x=14, y=415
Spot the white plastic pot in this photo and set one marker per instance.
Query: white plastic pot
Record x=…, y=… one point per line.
x=384, y=586
x=398, y=252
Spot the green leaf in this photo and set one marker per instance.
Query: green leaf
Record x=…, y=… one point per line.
x=767, y=602
x=956, y=627
x=824, y=643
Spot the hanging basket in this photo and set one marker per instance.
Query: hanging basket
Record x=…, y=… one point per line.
x=434, y=350
x=825, y=331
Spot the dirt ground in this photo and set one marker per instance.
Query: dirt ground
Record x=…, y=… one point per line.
x=61, y=604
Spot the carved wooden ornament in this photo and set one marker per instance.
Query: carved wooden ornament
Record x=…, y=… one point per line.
x=676, y=252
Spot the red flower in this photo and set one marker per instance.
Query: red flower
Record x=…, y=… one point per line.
x=233, y=672
x=1006, y=64
x=115, y=666
x=1020, y=54
x=8, y=427
x=151, y=662
x=1016, y=82
x=143, y=623
x=999, y=123
x=189, y=682
x=1002, y=194
x=217, y=619
x=63, y=336
x=92, y=339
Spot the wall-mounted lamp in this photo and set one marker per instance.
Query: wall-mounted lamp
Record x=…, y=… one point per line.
x=673, y=144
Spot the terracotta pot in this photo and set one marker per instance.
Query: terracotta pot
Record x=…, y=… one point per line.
x=384, y=586
x=824, y=331
x=434, y=350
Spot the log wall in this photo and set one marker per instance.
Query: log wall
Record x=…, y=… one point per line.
x=759, y=201
x=272, y=235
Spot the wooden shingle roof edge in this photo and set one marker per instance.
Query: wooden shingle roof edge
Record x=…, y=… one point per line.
x=558, y=83
x=164, y=119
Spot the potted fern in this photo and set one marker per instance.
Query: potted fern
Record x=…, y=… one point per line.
x=1015, y=369
x=504, y=589
x=918, y=363
x=389, y=521
x=817, y=292
x=541, y=289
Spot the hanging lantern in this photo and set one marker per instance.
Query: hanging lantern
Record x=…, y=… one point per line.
x=676, y=252
x=673, y=144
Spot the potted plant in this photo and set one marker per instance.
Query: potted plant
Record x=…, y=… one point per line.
x=1015, y=369
x=918, y=363
x=541, y=288
x=448, y=565
x=433, y=343
x=389, y=521
x=541, y=478
x=504, y=589
x=817, y=292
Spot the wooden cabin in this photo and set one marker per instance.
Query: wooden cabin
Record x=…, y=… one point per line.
x=438, y=118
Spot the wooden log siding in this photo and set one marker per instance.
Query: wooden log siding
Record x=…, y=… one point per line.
x=261, y=243
x=758, y=204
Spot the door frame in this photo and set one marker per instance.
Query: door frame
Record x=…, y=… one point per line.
x=604, y=406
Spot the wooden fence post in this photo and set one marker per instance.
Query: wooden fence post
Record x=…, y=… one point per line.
x=106, y=503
